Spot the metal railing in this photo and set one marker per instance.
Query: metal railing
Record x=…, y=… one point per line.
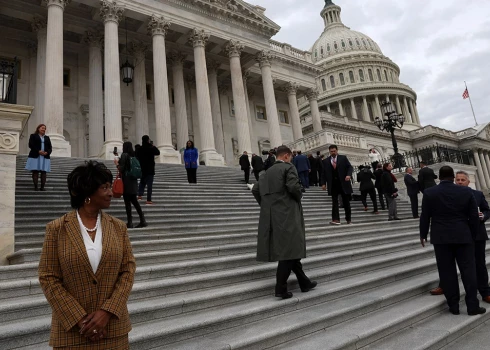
x=8, y=81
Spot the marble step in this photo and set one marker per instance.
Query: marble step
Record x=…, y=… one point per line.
x=477, y=338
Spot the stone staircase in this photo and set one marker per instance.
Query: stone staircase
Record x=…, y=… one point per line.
x=198, y=285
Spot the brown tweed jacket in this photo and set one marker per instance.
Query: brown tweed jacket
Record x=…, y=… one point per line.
x=72, y=288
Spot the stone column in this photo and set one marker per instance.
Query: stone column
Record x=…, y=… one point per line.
x=39, y=26
x=398, y=106
x=138, y=50
x=479, y=169
x=53, y=87
x=264, y=58
x=365, y=110
x=484, y=166
x=292, y=89
x=378, y=107
x=412, y=112
x=219, y=141
x=158, y=28
x=408, y=117
x=208, y=154
x=353, y=108
x=234, y=50
x=249, y=94
x=111, y=13
x=329, y=109
x=12, y=119
x=95, y=40
x=341, y=108
x=177, y=59
x=315, y=111
x=416, y=112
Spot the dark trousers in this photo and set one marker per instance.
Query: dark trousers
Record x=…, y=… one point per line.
x=372, y=195
x=336, y=191
x=392, y=209
x=313, y=178
x=284, y=269
x=247, y=175
x=131, y=199
x=381, y=198
x=481, y=268
x=447, y=255
x=256, y=174
x=304, y=178
x=146, y=180
x=414, y=201
x=192, y=175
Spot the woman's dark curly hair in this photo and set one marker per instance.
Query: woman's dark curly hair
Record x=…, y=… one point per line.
x=85, y=180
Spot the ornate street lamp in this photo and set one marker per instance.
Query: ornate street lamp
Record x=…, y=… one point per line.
x=8, y=81
x=127, y=69
x=391, y=121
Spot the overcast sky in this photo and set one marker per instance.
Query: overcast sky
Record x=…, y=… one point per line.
x=438, y=44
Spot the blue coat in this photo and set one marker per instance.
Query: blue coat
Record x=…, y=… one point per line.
x=191, y=155
x=450, y=211
x=301, y=163
x=481, y=202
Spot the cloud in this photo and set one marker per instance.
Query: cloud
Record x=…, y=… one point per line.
x=437, y=44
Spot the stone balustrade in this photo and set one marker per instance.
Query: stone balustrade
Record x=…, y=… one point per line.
x=290, y=51
x=323, y=139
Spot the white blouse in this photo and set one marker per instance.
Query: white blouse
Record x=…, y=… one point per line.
x=94, y=248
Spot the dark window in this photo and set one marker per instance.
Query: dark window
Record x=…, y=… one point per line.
x=324, y=85
x=343, y=43
x=283, y=117
x=351, y=77
x=148, y=92
x=361, y=75
x=378, y=73
x=66, y=78
x=370, y=73
x=386, y=75
x=342, y=80
x=261, y=114
x=335, y=45
x=332, y=81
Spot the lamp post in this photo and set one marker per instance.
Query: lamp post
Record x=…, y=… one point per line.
x=391, y=121
x=127, y=69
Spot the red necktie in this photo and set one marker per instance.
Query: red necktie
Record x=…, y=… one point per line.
x=334, y=163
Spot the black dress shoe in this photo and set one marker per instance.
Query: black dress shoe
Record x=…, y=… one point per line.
x=129, y=225
x=479, y=311
x=309, y=287
x=454, y=311
x=142, y=224
x=286, y=295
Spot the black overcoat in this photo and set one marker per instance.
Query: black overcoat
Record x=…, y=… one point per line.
x=343, y=167
x=35, y=146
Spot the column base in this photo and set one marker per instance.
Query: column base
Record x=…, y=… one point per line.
x=107, y=151
x=168, y=155
x=211, y=158
x=7, y=209
x=61, y=147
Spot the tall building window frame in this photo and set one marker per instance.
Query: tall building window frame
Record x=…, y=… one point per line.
x=370, y=73
x=361, y=75
x=351, y=77
x=342, y=79
x=332, y=82
x=324, y=85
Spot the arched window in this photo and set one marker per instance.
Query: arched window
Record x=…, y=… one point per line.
x=328, y=47
x=378, y=73
x=332, y=81
x=342, y=80
x=336, y=47
x=386, y=75
x=351, y=77
x=316, y=53
x=370, y=73
x=343, y=43
x=364, y=42
x=361, y=75
x=321, y=51
x=357, y=42
x=324, y=85
x=350, y=43
x=391, y=73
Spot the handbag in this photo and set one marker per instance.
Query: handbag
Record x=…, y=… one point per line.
x=118, y=187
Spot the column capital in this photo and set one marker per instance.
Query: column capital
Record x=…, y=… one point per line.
x=39, y=23
x=312, y=94
x=291, y=88
x=60, y=3
x=198, y=37
x=138, y=49
x=177, y=58
x=93, y=38
x=212, y=65
x=110, y=11
x=351, y=99
x=233, y=48
x=158, y=25
x=264, y=58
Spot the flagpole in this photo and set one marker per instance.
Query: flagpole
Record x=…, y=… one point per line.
x=471, y=104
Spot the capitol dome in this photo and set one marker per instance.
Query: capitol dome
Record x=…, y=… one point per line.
x=337, y=39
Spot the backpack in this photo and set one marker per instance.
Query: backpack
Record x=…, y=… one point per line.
x=134, y=169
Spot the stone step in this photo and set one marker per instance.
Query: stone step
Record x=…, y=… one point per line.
x=476, y=339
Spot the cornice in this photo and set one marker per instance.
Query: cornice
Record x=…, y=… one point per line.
x=305, y=66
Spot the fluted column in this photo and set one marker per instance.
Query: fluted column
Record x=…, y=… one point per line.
x=234, y=50
x=412, y=112
x=157, y=28
x=292, y=89
x=248, y=95
x=341, y=108
x=53, y=87
x=479, y=169
x=199, y=39
x=484, y=166
x=95, y=40
x=264, y=58
x=378, y=107
x=216, y=106
x=329, y=109
x=315, y=111
x=353, y=108
x=112, y=14
x=416, y=112
x=398, y=106
x=138, y=50
x=39, y=25
x=177, y=59
x=408, y=117
x=487, y=161
x=365, y=109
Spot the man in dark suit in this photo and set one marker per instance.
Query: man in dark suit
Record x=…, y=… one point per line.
x=413, y=190
x=336, y=176
x=426, y=177
x=257, y=165
x=245, y=165
x=271, y=159
x=378, y=173
x=303, y=167
x=450, y=212
x=313, y=176
x=365, y=178
x=146, y=156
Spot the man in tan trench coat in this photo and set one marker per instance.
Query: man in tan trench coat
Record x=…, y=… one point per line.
x=281, y=235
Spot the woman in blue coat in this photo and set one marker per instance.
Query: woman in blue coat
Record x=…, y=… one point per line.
x=191, y=156
x=39, y=160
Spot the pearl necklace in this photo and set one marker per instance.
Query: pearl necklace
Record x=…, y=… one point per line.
x=90, y=229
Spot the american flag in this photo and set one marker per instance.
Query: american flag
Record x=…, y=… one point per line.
x=466, y=94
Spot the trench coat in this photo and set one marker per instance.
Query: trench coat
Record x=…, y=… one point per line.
x=281, y=233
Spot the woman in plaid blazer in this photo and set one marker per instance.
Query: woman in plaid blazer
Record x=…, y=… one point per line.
x=87, y=267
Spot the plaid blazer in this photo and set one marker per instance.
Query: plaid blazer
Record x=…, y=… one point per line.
x=72, y=288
